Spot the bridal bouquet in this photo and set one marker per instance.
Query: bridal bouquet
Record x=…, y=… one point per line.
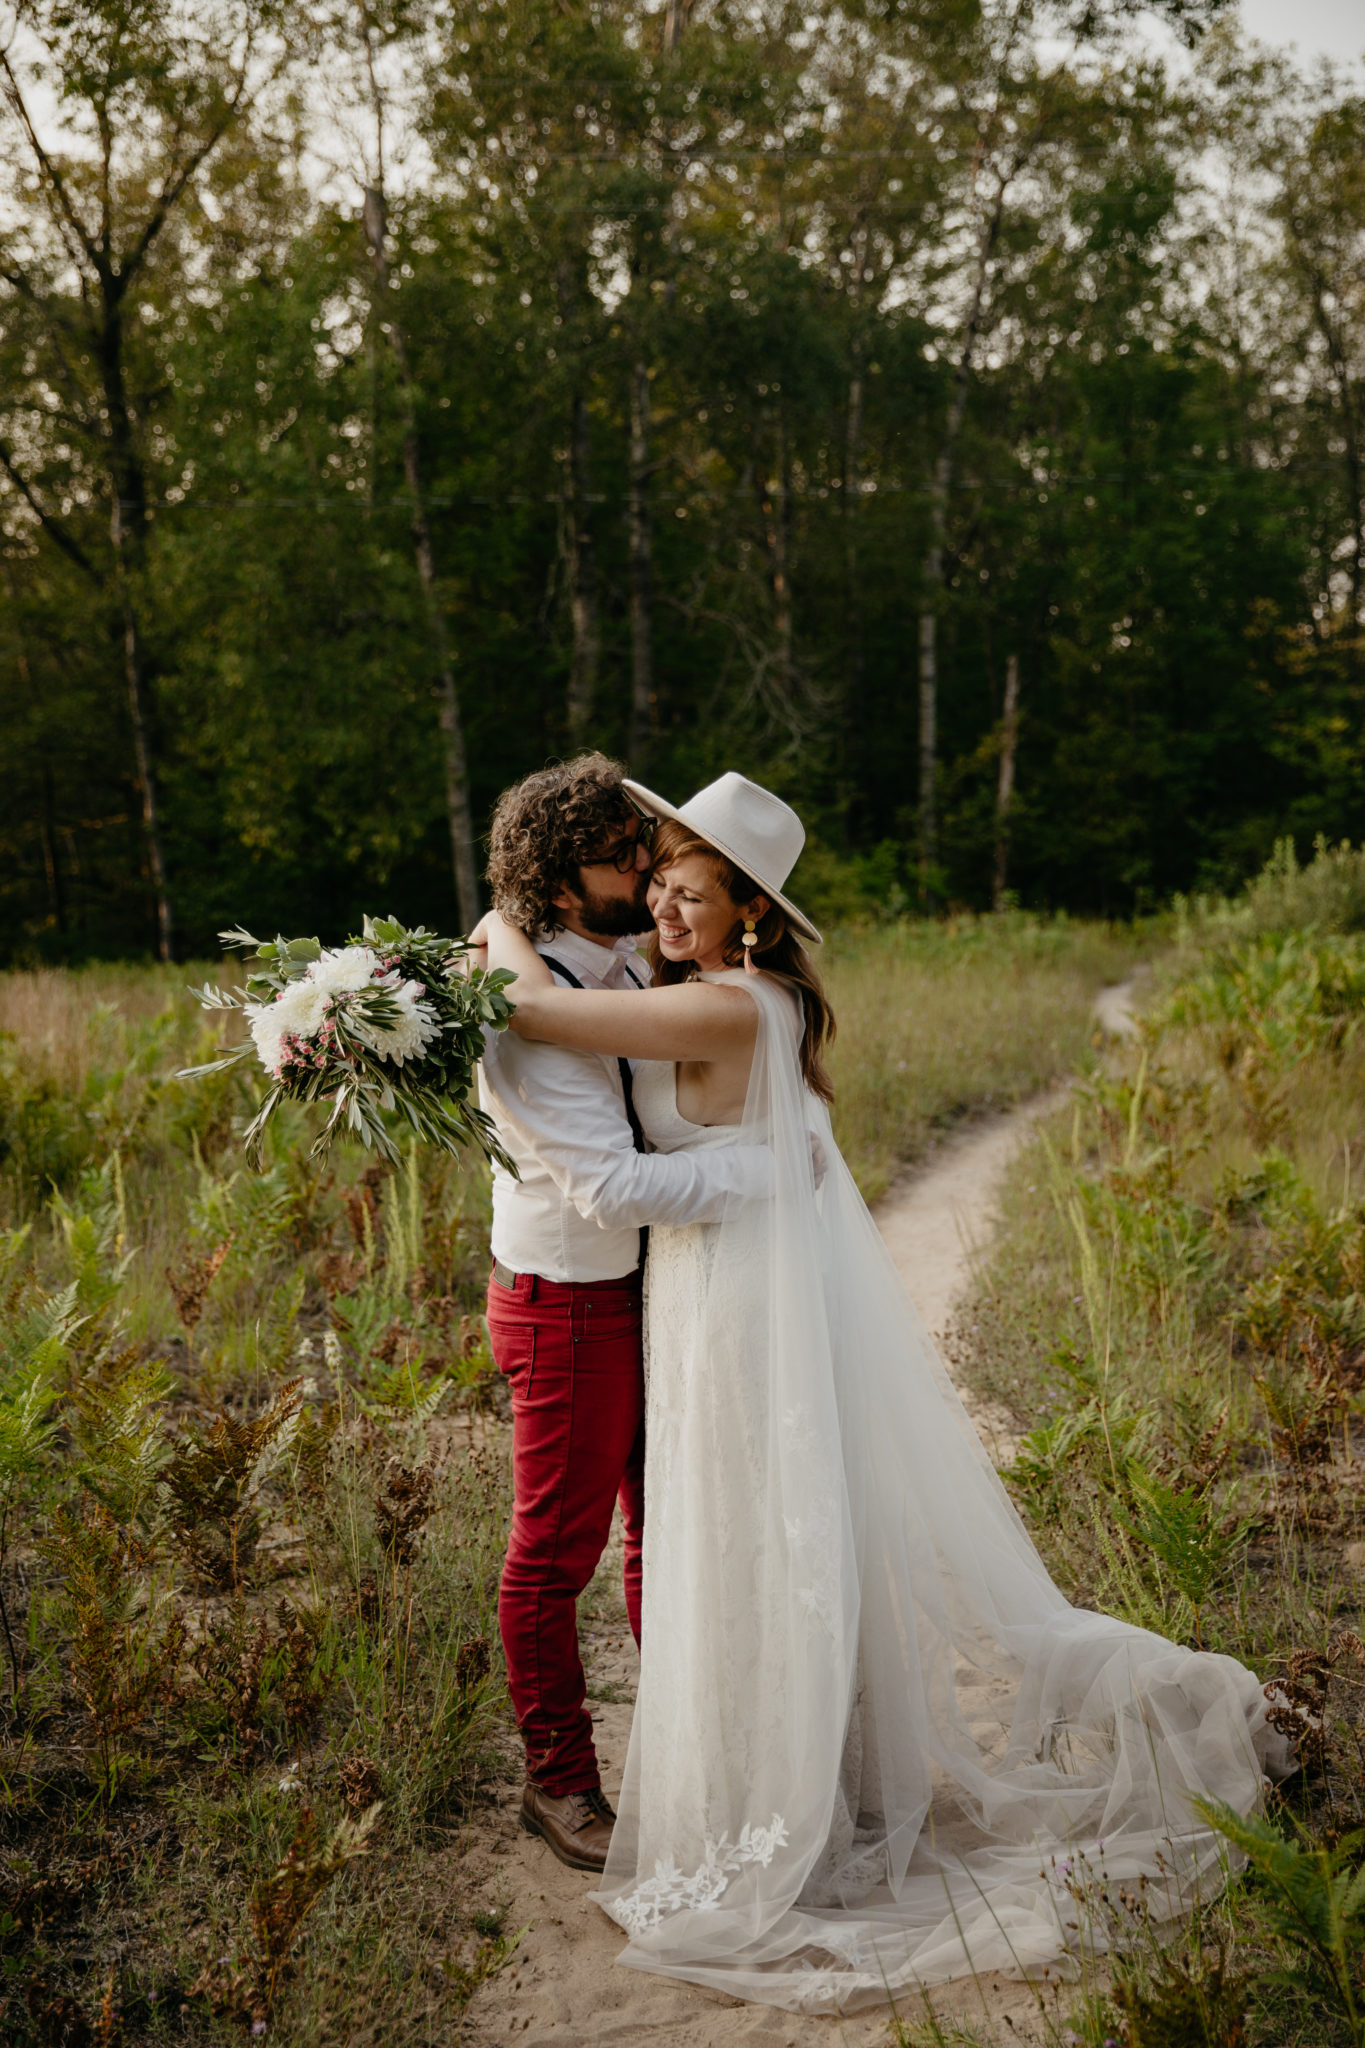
x=388, y=1022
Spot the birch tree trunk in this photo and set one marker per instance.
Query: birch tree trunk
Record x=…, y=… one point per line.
x=774, y=499
x=931, y=569
x=587, y=633
x=47, y=822
x=1004, y=795
x=641, y=574
x=643, y=697
x=142, y=750
x=128, y=539
x=1320, y=233
x=455, y=761
x=1334, y=340
x=853, y=511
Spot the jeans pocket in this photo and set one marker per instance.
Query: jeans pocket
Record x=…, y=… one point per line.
x=619, y=1321
x=514, y=1353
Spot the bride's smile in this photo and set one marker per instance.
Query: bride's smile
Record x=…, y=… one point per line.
x=693, y=912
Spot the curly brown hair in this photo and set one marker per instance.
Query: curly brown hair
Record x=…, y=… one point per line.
x=544, y=828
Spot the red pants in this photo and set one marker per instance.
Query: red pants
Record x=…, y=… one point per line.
x=571, y=1355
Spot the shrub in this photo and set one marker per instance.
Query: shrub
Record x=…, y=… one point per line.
x=1326, y=896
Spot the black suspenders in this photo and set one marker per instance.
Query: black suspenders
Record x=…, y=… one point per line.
x=627, y=1085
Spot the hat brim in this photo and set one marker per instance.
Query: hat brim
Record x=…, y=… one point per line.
x=658, y=807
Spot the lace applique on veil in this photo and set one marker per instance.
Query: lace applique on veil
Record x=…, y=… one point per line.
x=669, y=1891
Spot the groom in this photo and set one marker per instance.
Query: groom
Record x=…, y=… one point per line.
x=569, y=865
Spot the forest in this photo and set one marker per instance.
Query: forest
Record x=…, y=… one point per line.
x=949, y=411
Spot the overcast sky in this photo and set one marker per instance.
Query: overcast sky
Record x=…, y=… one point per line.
x=1319, y=28
x=1312, y=28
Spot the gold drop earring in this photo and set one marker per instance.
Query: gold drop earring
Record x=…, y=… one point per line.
x=749, y=941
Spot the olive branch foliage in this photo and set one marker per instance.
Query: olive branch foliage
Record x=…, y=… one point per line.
x=431, y=1093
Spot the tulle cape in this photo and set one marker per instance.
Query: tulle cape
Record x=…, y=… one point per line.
x=874, y=1746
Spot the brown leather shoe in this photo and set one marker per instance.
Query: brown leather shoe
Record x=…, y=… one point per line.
x=577, y=1827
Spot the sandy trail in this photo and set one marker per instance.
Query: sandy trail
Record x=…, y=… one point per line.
x=563, y=1990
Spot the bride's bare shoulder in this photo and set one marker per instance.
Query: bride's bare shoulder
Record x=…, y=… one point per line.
x=730, y=988
x=746, y=985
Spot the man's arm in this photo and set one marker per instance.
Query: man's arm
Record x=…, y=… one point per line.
x=556, y=1100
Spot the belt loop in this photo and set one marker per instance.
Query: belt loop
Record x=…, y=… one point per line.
x=531, y=1284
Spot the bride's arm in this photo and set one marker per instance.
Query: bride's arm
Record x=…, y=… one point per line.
x=693, y=1021
x=505, y=946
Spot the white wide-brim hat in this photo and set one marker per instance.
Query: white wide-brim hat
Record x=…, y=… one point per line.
x=749, y=825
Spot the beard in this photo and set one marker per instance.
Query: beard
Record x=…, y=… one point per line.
x=616, y=917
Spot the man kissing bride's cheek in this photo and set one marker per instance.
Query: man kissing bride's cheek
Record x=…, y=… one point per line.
x=874, y=1747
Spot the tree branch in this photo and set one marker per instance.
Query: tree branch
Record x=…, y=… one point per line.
x=73, y=551
x=170, y=192
x=19, y=106
x=48, y=308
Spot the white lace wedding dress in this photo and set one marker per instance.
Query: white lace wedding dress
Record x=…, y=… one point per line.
x=873, y=1744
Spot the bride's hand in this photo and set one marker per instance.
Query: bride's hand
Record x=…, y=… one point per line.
x=473, y=958
x=510, y=949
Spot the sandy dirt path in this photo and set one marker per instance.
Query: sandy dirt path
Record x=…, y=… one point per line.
x=563, y=1989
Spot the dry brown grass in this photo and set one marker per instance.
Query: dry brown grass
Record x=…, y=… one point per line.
x=935, y=1021
x=66, y=1021
x=938, y=1021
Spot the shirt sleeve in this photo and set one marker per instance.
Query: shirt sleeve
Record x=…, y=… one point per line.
x=582, y=1138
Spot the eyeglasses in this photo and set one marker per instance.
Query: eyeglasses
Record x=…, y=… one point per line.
x=625, y=854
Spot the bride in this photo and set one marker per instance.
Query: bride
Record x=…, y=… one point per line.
x=873, y=1745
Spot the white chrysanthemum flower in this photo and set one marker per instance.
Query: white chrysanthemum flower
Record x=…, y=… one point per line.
x=303, y=1008
x=416, y=1026
x=297, y=1012
x=267, y=1034
x=341, y=969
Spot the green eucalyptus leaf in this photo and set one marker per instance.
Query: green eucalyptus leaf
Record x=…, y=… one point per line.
x=348, y=1073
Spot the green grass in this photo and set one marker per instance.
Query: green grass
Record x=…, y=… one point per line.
x=937, y=1022
x=1174, y=1315
x=254, y=1490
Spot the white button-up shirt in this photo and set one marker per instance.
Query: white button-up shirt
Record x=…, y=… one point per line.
x=584, y=1192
